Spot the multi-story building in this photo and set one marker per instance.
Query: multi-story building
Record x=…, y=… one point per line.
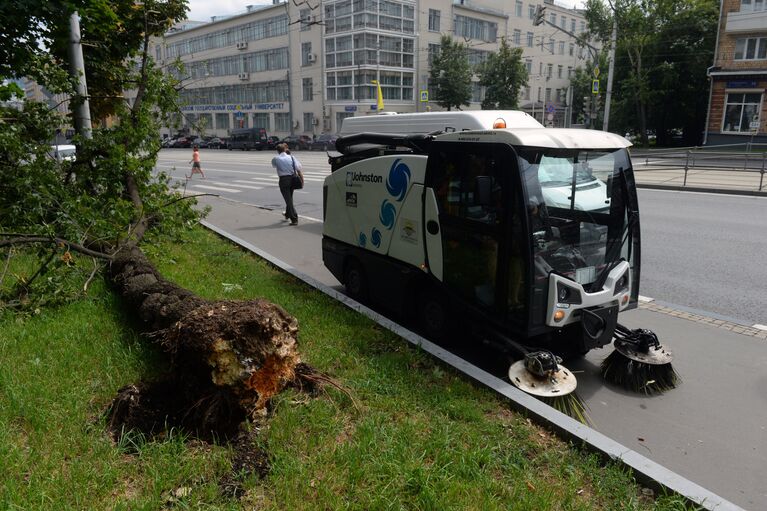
x=300, y=67
x=736, y=112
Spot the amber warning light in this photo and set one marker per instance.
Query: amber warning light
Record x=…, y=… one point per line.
x=499, y=123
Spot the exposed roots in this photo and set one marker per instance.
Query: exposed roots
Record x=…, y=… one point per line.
x=307, y=379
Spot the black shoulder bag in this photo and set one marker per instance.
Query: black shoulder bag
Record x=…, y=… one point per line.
x=296, y=183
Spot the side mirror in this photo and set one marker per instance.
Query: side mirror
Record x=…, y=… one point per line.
x=483, y=189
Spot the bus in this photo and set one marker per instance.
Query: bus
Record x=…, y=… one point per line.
x=246, y=139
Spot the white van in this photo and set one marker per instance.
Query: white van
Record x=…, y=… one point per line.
x=63, y=152
x=429, y=122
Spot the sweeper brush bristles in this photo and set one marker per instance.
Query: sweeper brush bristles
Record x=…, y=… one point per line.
x=571, y=405
x=638, y=376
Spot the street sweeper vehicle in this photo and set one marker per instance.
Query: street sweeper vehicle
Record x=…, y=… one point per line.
x=525, y=237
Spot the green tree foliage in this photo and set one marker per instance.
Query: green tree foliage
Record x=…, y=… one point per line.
x=108, y=196
x=663, y=50
x=450, y=74
x=503, y=73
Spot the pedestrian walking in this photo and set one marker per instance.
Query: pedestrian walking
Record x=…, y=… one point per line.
x=195, y=161
x=291, y=178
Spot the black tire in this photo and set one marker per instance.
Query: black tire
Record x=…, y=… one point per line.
x=433, y=316
x=355, y=281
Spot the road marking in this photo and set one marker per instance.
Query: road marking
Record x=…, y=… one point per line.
x=239, y=185
x=646, y=299
x=220, y=189
x=759, y=327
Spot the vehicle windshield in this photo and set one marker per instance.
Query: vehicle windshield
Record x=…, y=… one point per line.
x=578, y=211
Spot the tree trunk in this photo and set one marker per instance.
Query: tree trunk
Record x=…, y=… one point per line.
x=227, y=358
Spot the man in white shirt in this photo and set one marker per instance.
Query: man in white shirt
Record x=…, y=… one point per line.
x=287, y=166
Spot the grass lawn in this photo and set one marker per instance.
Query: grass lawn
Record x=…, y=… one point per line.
x=423, y=438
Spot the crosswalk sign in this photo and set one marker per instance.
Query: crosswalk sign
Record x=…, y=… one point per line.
x=424, y=96
x=595, y=86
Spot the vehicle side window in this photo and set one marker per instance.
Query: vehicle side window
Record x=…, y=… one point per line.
x=458, y=179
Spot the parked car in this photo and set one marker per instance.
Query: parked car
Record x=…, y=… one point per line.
x=324, y=142
x=182, y=142
x=63, y=152
x=200, y=142
x=216, y=143
x=298, y=142
x=272, y=142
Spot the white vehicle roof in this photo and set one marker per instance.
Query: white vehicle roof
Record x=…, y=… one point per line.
x=428, y=122
x=563, y=138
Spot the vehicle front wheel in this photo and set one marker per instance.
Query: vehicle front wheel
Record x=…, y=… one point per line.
x=433, y=315
x=355, y=281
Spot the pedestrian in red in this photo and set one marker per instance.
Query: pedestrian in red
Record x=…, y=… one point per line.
x=195, y=161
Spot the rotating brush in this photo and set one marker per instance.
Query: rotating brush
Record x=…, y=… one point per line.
x=542, y=375
x=639, y=363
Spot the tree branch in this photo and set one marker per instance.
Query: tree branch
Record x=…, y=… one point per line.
x=32, y=239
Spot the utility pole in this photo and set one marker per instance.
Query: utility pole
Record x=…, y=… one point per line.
x=611, y=68
x=81, y=111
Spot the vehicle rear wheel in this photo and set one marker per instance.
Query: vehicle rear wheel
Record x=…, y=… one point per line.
x=355, y=280
x=433, y=315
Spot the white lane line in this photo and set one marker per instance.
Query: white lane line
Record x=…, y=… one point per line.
x=239, y=185
x=646, y=299
x=760, y=326
x=220, y=189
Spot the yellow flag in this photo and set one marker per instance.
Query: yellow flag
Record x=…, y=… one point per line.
x=380, y=103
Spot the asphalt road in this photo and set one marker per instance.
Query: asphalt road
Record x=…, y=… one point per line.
x=705, y=251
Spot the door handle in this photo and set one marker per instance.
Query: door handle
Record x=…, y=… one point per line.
x=432, y=227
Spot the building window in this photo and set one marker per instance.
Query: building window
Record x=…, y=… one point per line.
x=527, y=93
x=571, y=49
x=563, y=22
x=751, y=48
x=531, y=11
x=261, y=121
x=569, y=71
x=517, y=37
x=548, y=95
x=559, y=71
x=434, y=20
x=433, y=52
x=222, y=121
x=309, y=121
x=583, y=26
x=740, y=111
x=572, y=25
x=529, y=39
x=281, y=121
x=473, y=28
x=553, y=18
x=561, y=47
x=518, y=9
x=549, y=70
x=306, y=50
x=307, y=88
x=551, y=46
x=752, y=5
x=529, y=67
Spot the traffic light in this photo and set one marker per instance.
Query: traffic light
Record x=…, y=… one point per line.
x=587, y=105
x=540, y=14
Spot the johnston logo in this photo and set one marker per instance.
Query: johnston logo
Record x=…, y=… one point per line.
x=359, y=177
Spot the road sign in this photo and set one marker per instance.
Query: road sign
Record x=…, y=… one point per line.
x=424, y=96
x=595, y=86
x=550, y=108
x=550, y=117
x=596, y=71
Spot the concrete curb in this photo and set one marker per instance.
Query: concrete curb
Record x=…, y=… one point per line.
x=702, y=189
x=645, y=470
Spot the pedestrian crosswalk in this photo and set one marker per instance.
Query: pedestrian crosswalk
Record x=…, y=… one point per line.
x=258, y=182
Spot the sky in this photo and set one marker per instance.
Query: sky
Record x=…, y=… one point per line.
x=202, y=10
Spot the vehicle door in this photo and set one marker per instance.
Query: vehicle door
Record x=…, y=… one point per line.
x=472, y=185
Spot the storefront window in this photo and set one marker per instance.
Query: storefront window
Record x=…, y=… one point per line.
x=740, y=111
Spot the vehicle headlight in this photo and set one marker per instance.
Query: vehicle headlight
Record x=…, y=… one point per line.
x=622, y=284
x=567, y=294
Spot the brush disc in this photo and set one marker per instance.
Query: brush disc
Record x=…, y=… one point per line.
x=653, y=356
x=645, y=378
x=560, y=383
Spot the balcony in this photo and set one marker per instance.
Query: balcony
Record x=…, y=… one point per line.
x=746, y=22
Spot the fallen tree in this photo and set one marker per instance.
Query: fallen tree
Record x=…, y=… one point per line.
x=226, y=359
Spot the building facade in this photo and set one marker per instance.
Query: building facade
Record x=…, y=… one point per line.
x=296, y=67
x=738, y=77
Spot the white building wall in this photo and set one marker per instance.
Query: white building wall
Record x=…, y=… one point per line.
x=389, y=40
